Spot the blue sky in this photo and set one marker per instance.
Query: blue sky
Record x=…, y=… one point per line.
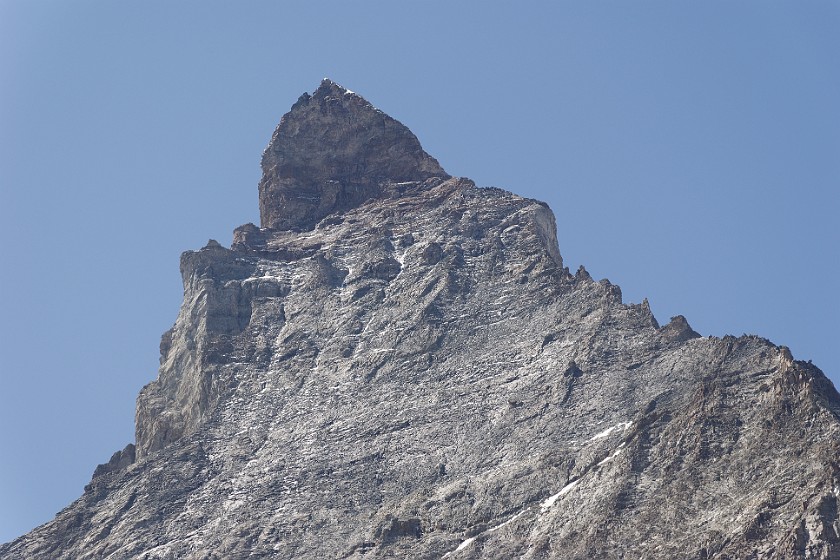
x=690, y=151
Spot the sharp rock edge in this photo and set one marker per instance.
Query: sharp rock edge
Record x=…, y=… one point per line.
x=396, y=364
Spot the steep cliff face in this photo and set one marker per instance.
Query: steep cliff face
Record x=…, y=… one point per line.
x=332, y=152
x=398, y=365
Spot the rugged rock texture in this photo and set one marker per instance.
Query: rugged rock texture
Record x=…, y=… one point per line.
x=332, y=152
x=411, y=372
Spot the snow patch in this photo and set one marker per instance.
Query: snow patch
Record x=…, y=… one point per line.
x=565, y=490
x=265, y=276
x=465, y=544
x=470, y=540
x=606, y=433
x=611, y=457
x=511, y=520
x=461, y=546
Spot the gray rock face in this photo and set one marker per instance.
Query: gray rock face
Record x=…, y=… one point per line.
x=415, y=374
x=332, y=152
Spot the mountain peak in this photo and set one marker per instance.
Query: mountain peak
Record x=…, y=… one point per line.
x=328, y=87
x=421, y=377
x=332, y=152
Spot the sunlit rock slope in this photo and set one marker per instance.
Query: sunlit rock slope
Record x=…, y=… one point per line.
x=397, y=364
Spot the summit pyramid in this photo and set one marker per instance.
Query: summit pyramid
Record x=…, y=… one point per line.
x=397, y=364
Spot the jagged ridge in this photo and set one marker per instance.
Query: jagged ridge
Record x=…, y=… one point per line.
x=417, y=375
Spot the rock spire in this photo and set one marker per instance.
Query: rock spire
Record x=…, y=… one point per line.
x=333, y=151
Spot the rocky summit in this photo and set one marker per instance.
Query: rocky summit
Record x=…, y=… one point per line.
x=397, y=364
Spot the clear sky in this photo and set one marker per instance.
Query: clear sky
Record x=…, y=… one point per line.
x=690, y=151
